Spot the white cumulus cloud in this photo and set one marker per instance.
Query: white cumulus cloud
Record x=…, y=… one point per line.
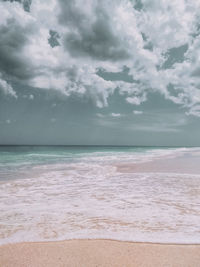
x=6, y=88
x=107, y=35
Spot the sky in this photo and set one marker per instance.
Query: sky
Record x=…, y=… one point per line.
x=89, y=72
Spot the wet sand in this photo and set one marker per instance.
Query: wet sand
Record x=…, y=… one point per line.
x=90, y=253
x=182, y=164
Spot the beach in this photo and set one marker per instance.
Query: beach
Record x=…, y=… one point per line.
x=99, y=133
x=90, y=253
x=99, y=207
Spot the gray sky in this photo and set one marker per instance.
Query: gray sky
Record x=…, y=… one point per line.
x=118, y=72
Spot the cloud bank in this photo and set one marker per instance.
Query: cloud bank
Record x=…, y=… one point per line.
x=65, y=44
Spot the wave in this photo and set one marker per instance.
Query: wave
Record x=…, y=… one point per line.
x=98, y=202
x=89, y=198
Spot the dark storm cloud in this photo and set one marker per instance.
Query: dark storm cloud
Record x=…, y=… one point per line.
x=26, y=3
x=96, y=40
x=70, y=14
x=81, y=46
x=138, y=5
x=13, y=63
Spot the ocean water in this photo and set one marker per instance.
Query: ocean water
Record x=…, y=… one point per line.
x=58, y=193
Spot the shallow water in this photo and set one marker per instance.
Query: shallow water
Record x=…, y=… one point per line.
x=56, y=193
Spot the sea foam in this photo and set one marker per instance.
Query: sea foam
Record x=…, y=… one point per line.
x=91, y=199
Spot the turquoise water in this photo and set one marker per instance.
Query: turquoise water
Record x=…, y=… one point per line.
x=58, y=193
x=16, y=158
x=37, y=154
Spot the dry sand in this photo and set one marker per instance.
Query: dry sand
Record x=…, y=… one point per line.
x=86, y=253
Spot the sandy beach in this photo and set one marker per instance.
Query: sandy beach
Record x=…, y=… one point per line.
x=90, y=253
x=148, y=201
x=100, y=133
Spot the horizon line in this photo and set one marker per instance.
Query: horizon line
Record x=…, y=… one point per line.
x=106, y=145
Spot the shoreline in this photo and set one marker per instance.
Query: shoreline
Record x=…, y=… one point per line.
x=98, y=252
x=102, y=239
x=88, y=250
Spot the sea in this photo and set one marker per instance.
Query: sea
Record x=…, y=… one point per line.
x=139, y=194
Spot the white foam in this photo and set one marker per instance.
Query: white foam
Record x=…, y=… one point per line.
x=92, y=200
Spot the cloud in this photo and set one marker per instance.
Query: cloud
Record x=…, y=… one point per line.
x=117, y=115
x=136, y=100
x=93, y=35
x=25, y=3
x=63, y=45
x=165, y=128
x=137, y=112
x=13, y=62
x=194, y=111
x=6, y=88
